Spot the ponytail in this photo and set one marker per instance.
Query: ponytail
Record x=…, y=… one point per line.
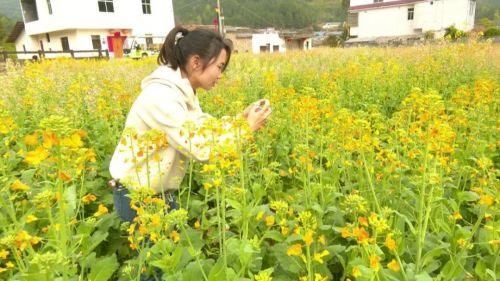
x=181, y=44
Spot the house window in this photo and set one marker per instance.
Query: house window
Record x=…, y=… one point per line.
x=29, y=10
x=352, y=19
x=378, y=1
x=146, y=6
x=65, y=43
x=49, y=6
x=411, y=12
x=96, y=42
x=47, y=36
x=106, y=6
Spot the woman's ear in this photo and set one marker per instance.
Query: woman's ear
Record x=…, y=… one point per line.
x=195, y=62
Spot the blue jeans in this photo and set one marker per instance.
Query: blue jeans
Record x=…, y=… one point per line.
x=126, y=213
x=122, y=203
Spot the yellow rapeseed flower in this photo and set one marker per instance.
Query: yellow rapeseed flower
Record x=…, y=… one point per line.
x=264, y=275
x=374, y=262
x=390, y=243
x=270, y=221
x=356, y=272
x=457, y=216
x=486, y=200
x=322, y=239
x=4, y=254
x=36, y=156
x=74, y=141
x=31, y=140
x=259, y=216
x=345, y=232
x=319, y=256
x=89, y=198
x=318, y=277
x=17, y=185
x=101, y=210
x=285, y=230
x=308, y=237
x=174, y=235
x=294, y=250
x=197, y=224
x=31, y=218
x=155, y=220
x=393, y=265
x=363, y=221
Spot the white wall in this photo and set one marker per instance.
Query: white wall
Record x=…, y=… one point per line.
x=391, y=21
x=77, y=39
x=28, y=43
x=444, y=13
x=307, y=44
x=433, y=16
x=263, y=39
x=84, y=14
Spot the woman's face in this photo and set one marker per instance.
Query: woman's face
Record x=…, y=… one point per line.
x=208, y=77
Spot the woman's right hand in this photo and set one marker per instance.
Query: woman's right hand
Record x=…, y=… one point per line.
x=257, y=113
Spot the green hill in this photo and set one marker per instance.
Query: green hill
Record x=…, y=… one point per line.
x=282, y=13
x=10, y=9
x=261, y=13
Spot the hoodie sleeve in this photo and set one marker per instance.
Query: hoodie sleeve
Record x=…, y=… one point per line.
x=192, y=134
x=168, y=112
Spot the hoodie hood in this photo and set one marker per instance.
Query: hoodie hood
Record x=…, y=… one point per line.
x=164, y=75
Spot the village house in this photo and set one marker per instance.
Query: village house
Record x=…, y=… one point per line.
x=373, y=20
x=256, y=41
x=113, y=25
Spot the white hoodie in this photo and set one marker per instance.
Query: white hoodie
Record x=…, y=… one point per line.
x=166, y=103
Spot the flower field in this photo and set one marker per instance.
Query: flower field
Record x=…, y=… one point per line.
x=376, y=164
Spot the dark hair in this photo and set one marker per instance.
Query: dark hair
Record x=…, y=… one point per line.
x=177, y=49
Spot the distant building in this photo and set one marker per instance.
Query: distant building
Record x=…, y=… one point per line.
x=268, y=42
x=371, y=19
x=249, y=40
x=61, y=25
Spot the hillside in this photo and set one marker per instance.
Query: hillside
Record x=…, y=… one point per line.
x=261, y=13
x=10, y=9
x=282, y=13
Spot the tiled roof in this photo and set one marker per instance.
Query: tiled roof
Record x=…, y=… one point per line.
x=383, y=5
x=16, y=30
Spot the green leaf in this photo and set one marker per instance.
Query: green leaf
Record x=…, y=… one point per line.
x=424, y=276
x=192, y=272
x=103, y=268
x=70, y=195
x=433, y=254
x=219, y=272
x=289, y=263
x=235, y=204
x=273, y=235
x=468, y=196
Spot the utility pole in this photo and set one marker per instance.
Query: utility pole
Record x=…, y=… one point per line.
x=220, y=19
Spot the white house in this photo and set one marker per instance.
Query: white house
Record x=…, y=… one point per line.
x=268, y=41
x=370, y=19
x=57, y=25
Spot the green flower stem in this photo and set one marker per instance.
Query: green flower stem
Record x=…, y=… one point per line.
x=370, y=184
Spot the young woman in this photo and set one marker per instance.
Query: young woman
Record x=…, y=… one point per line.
x=188, y=60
